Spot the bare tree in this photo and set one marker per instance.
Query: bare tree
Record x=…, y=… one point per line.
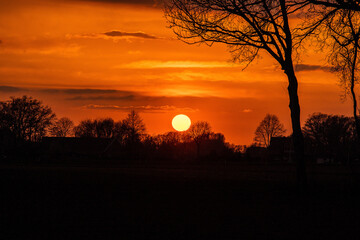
x=329, y=136
x=199, y=132
x=25, y=117
x=99, y=128
x=247, y=27
x=338, y=30
x=338, y=4
x=104, y=128
x=86, y=128
x=268, y=128
x=62, y=128
x=133, y=127
x=344, y=54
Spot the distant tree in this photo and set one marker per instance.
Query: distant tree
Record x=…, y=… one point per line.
x=247, y=27
x=25, y=117
x=329, y=135
x=199, y=132
x=86, y=128
x=99, y=128
x=268, y=128
x=133, y=127
x=104, y=128
x=62, y=128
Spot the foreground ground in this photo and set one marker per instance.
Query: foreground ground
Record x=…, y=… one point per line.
x=177, y=202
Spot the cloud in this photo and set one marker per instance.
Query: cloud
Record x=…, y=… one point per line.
x=104, y=98
x=148, y=3
x=176, y=64
x=114, y=35
x=80, y=90
x=309, y=67
x=247, y=110
x=10, y=89
x=117, y=94
x=129, y=34
x=146, y=108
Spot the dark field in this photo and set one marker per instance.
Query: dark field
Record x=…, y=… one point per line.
x=178, y=202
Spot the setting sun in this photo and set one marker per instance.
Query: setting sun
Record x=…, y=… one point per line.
x=181, y=122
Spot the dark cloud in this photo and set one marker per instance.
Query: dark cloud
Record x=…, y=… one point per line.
x=309, y=67
x=142, y=108
x=134, y=2
x=90, y=93
x=10, y=89
x=102, y=98
x=80, y=91
x=129, y=34
x=1, y=41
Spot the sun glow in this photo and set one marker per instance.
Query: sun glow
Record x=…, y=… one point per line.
x=181, y=122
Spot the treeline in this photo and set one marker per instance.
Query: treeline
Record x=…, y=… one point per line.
x=29, y=129
x=327, y=139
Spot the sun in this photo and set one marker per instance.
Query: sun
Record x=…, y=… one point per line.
x=181, y=122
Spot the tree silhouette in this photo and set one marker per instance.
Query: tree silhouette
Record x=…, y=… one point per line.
x=338, y=4
x=339, y=31
x=104, y=128
x=344, y=55
x=133, y=127
x=25, y=117
x=99, y=128
x=329, y=135
x=86, y=128
x=247, y=27
x=62, y=128
x=268, y=128
x=199, y=132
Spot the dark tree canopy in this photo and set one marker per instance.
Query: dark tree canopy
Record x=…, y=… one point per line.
x=133, y=127
x=338, y=4
x=268, y=128
x=86, y=128
x=25, y=117
x=200, y=131
x=98, y=128
x=62, y=128
x=329, y=135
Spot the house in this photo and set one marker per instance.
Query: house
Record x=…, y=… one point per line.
x=281, y=149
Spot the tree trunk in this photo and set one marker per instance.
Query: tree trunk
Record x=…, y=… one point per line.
x=356, y=118
x=298, y=139
x=353, y=95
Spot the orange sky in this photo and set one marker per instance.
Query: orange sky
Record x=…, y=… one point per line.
x=101, y=58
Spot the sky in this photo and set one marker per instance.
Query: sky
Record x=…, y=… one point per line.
x=103, y=58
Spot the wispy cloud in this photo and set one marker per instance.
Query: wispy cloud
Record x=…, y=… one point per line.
x=10, y=89
x=129, y=34
x=94, y=92
x=148, y=3
x=146, y=108
x=80, y=90
x=309, y=67
x=176, y=64
x=115, y=35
